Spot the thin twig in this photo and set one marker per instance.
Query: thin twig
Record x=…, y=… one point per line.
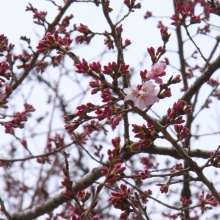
x=3, y=209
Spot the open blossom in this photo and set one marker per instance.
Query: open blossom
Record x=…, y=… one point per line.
x=143, y=97
x=132, y=93
x=157, y=71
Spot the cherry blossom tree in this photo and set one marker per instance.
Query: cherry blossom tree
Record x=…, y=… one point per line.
x=99, y=137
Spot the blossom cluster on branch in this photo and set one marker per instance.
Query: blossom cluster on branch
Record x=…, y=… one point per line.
x=104, y=130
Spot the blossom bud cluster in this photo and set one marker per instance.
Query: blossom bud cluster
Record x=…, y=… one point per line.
x=144, y=175
x=116, y=168
x=181, y=131
x=107, y=3
x=149, y=162
x=108, y=111
x=64, y=24
x=213, y=82
x=185, y=201
x=155, y=54
x=108, y=41
x=113, y=155
x=164, y=188
x=146, y=136
x=50, y=41
x=87, y=34
x=148, y=14
x=207, y=200
x=174, y=116
x=57, y=140
x=124, y=199
x=83, y=196
x=111, y=113
x=24, y=143
x=114, y=173
x=41, y=66
x=120, y=200
x=84, y=109
x=89, y=128
x=71, y=127
x=127, y=43
x=25, y=59
x=53, y=41
x=3, y=44
x=107, y=96
x=111, y=69
x=184, y=11
x=38, y=15
x=215, y=7
x=216, y=92
x=178, y=166
x=5, y=73
x=164, y=34
x=56, y=60
x=68, y=185
x=43, y=160
x=18, y=120
x=131, y=4
x=119, y=30
x=145, y=133
x=165, y=93
x=179, y=108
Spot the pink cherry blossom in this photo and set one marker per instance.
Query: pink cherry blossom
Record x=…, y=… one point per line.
x=157, y=70
x=143, y=97
x=132, y=93
x=147, y=95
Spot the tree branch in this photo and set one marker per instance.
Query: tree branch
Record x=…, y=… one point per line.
x=93, y=176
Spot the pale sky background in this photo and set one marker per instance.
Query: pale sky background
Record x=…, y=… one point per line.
x=15, y=22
